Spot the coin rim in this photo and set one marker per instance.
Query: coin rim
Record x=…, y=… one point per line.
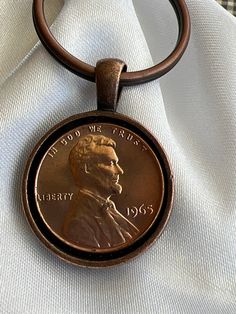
x=93, y=259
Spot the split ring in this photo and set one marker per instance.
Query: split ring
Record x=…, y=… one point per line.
x=87, y=71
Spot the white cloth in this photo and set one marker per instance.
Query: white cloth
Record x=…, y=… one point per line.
x=192, y=111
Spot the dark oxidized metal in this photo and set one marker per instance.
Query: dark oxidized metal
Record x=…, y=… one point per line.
x=108, y=72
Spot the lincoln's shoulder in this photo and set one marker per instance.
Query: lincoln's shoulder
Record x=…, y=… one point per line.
x=83, y=200
x=83, y=206
x=81, y=212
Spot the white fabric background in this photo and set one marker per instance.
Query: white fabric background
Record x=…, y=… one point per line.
x=192, y=111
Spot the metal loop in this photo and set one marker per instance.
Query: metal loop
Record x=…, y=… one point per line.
x=87, y=71
x=108, y=72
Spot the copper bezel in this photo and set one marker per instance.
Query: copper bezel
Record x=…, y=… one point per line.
x=66, y=252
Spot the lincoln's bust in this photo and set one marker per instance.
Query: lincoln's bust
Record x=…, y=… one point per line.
x=92, y=220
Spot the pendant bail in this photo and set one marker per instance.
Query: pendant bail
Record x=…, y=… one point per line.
x=108, y=72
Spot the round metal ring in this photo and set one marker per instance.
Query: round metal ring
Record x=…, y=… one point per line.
x=87, y=71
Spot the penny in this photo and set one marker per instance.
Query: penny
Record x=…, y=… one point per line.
x=98, y=189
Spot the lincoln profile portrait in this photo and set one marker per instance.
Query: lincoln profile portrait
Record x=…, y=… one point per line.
x=92, y=220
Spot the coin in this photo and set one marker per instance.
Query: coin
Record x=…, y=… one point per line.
x=98, y=189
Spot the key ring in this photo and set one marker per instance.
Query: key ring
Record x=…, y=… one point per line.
x=98, y=187
x=87, y=71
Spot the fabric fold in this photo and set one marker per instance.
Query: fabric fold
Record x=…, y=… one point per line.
x=191, y=111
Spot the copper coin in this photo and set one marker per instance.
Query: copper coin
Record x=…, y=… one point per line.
x=98, y=189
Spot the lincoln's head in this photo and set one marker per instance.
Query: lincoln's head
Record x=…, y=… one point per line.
x=94, y=165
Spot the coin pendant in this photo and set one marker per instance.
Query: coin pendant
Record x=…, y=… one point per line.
x=98, y=189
